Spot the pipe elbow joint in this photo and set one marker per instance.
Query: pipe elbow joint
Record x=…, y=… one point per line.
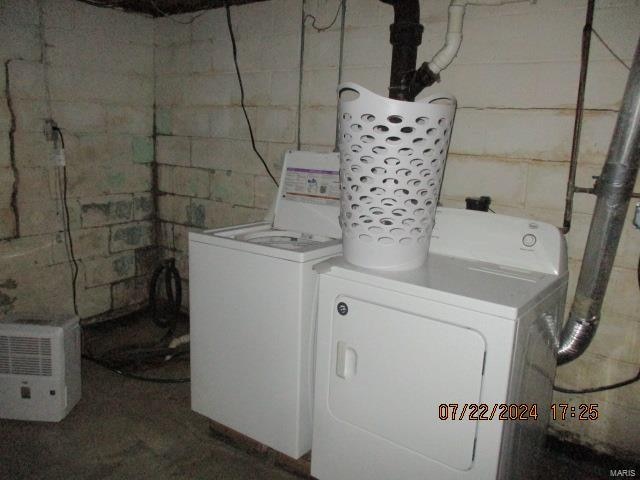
x=576, y=337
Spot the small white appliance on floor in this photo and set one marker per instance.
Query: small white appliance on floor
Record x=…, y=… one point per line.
x=39, y=367
x=252, y=309
x=408, y=361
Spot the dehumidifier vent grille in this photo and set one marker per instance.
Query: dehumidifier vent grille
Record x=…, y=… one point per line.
x=25, y=356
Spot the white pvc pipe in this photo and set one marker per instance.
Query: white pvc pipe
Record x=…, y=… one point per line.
x=453, y=40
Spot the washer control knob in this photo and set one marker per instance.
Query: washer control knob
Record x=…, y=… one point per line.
x=529, y=240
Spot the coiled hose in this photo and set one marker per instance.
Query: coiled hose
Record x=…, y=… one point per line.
x=173, y=291
x=163, y=315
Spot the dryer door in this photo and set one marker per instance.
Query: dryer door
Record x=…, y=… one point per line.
x=391, y=370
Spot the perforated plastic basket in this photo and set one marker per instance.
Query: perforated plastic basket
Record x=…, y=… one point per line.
x=392, y=157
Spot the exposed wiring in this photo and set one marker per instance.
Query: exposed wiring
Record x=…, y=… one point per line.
x=314, y=19
x=599, y=389
x=134, y=376
x=300, y=77
x=67, y=227
x=615, y=55
x=168, y=16
x=244, y=109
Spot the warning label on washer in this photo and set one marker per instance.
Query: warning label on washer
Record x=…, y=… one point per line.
x=321, y=187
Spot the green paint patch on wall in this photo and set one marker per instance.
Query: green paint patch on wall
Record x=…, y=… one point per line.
x=163, y=121
x=7, y=301
x=142, y=150
x=124, y=266
x=196, y=215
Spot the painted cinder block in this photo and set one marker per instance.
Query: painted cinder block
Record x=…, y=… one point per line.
x=170, y=90
x=80, y=117
x=42, y=215
x=546, y=185
x=6, y=185
x=284, y=88
x=209, y=214
x=168, y=32
x=87, y=242
x=26, y=79
x=143, y=206
x=129, y=120
x=264, y=191
x=5, y=158
x=233, y=188
x=191, y=182
x=504, y=181
x=19, y=41
x=173, y=208
x=226, y=154
x=219, y=89
x=97, y=50
x=94, y=301
x=98, y=149
x=163, y=120
x=105, y=210
x=31, y=149
x=132, y=292
x=19, y=12
x=130, y=236
x=104, y=270
x=106, y=179
x=146, y=260
x=40, y=290
x=319, y=125
x=173, y=150
x=240, y=214
x=190, y=121
x=30, y=114
x=275, y=124
x=143, y=151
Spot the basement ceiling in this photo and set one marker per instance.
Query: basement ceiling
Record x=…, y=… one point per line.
x=160, y=8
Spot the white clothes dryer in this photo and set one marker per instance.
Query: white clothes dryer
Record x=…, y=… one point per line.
x=444, y=372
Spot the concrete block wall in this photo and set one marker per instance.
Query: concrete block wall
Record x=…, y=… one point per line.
x=208, y=174
x=516, y=82
x=91, y=70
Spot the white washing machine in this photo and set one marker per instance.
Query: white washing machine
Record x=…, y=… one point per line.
x=252, y=296
x=406, y=361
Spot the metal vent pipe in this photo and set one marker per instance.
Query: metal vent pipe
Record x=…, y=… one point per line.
x=613, y=189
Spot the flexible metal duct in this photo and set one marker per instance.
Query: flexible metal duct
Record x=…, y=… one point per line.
x=613, y=189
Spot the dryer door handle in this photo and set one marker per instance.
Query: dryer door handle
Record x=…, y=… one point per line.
x=346, y=361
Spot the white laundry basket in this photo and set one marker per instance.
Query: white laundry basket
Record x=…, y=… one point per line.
x=392, y=157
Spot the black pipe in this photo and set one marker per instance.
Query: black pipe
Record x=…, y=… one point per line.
x=577, y=124
x=406, y=36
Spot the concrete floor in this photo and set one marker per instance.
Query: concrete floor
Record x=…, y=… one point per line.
x=127, y=429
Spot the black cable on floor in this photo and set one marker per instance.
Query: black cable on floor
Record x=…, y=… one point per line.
x=134, y=376
x=244, y=109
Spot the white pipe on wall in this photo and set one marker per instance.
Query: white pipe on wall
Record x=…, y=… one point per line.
x=453, y=39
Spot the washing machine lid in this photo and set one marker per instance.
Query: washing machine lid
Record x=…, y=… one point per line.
x=309, y=194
